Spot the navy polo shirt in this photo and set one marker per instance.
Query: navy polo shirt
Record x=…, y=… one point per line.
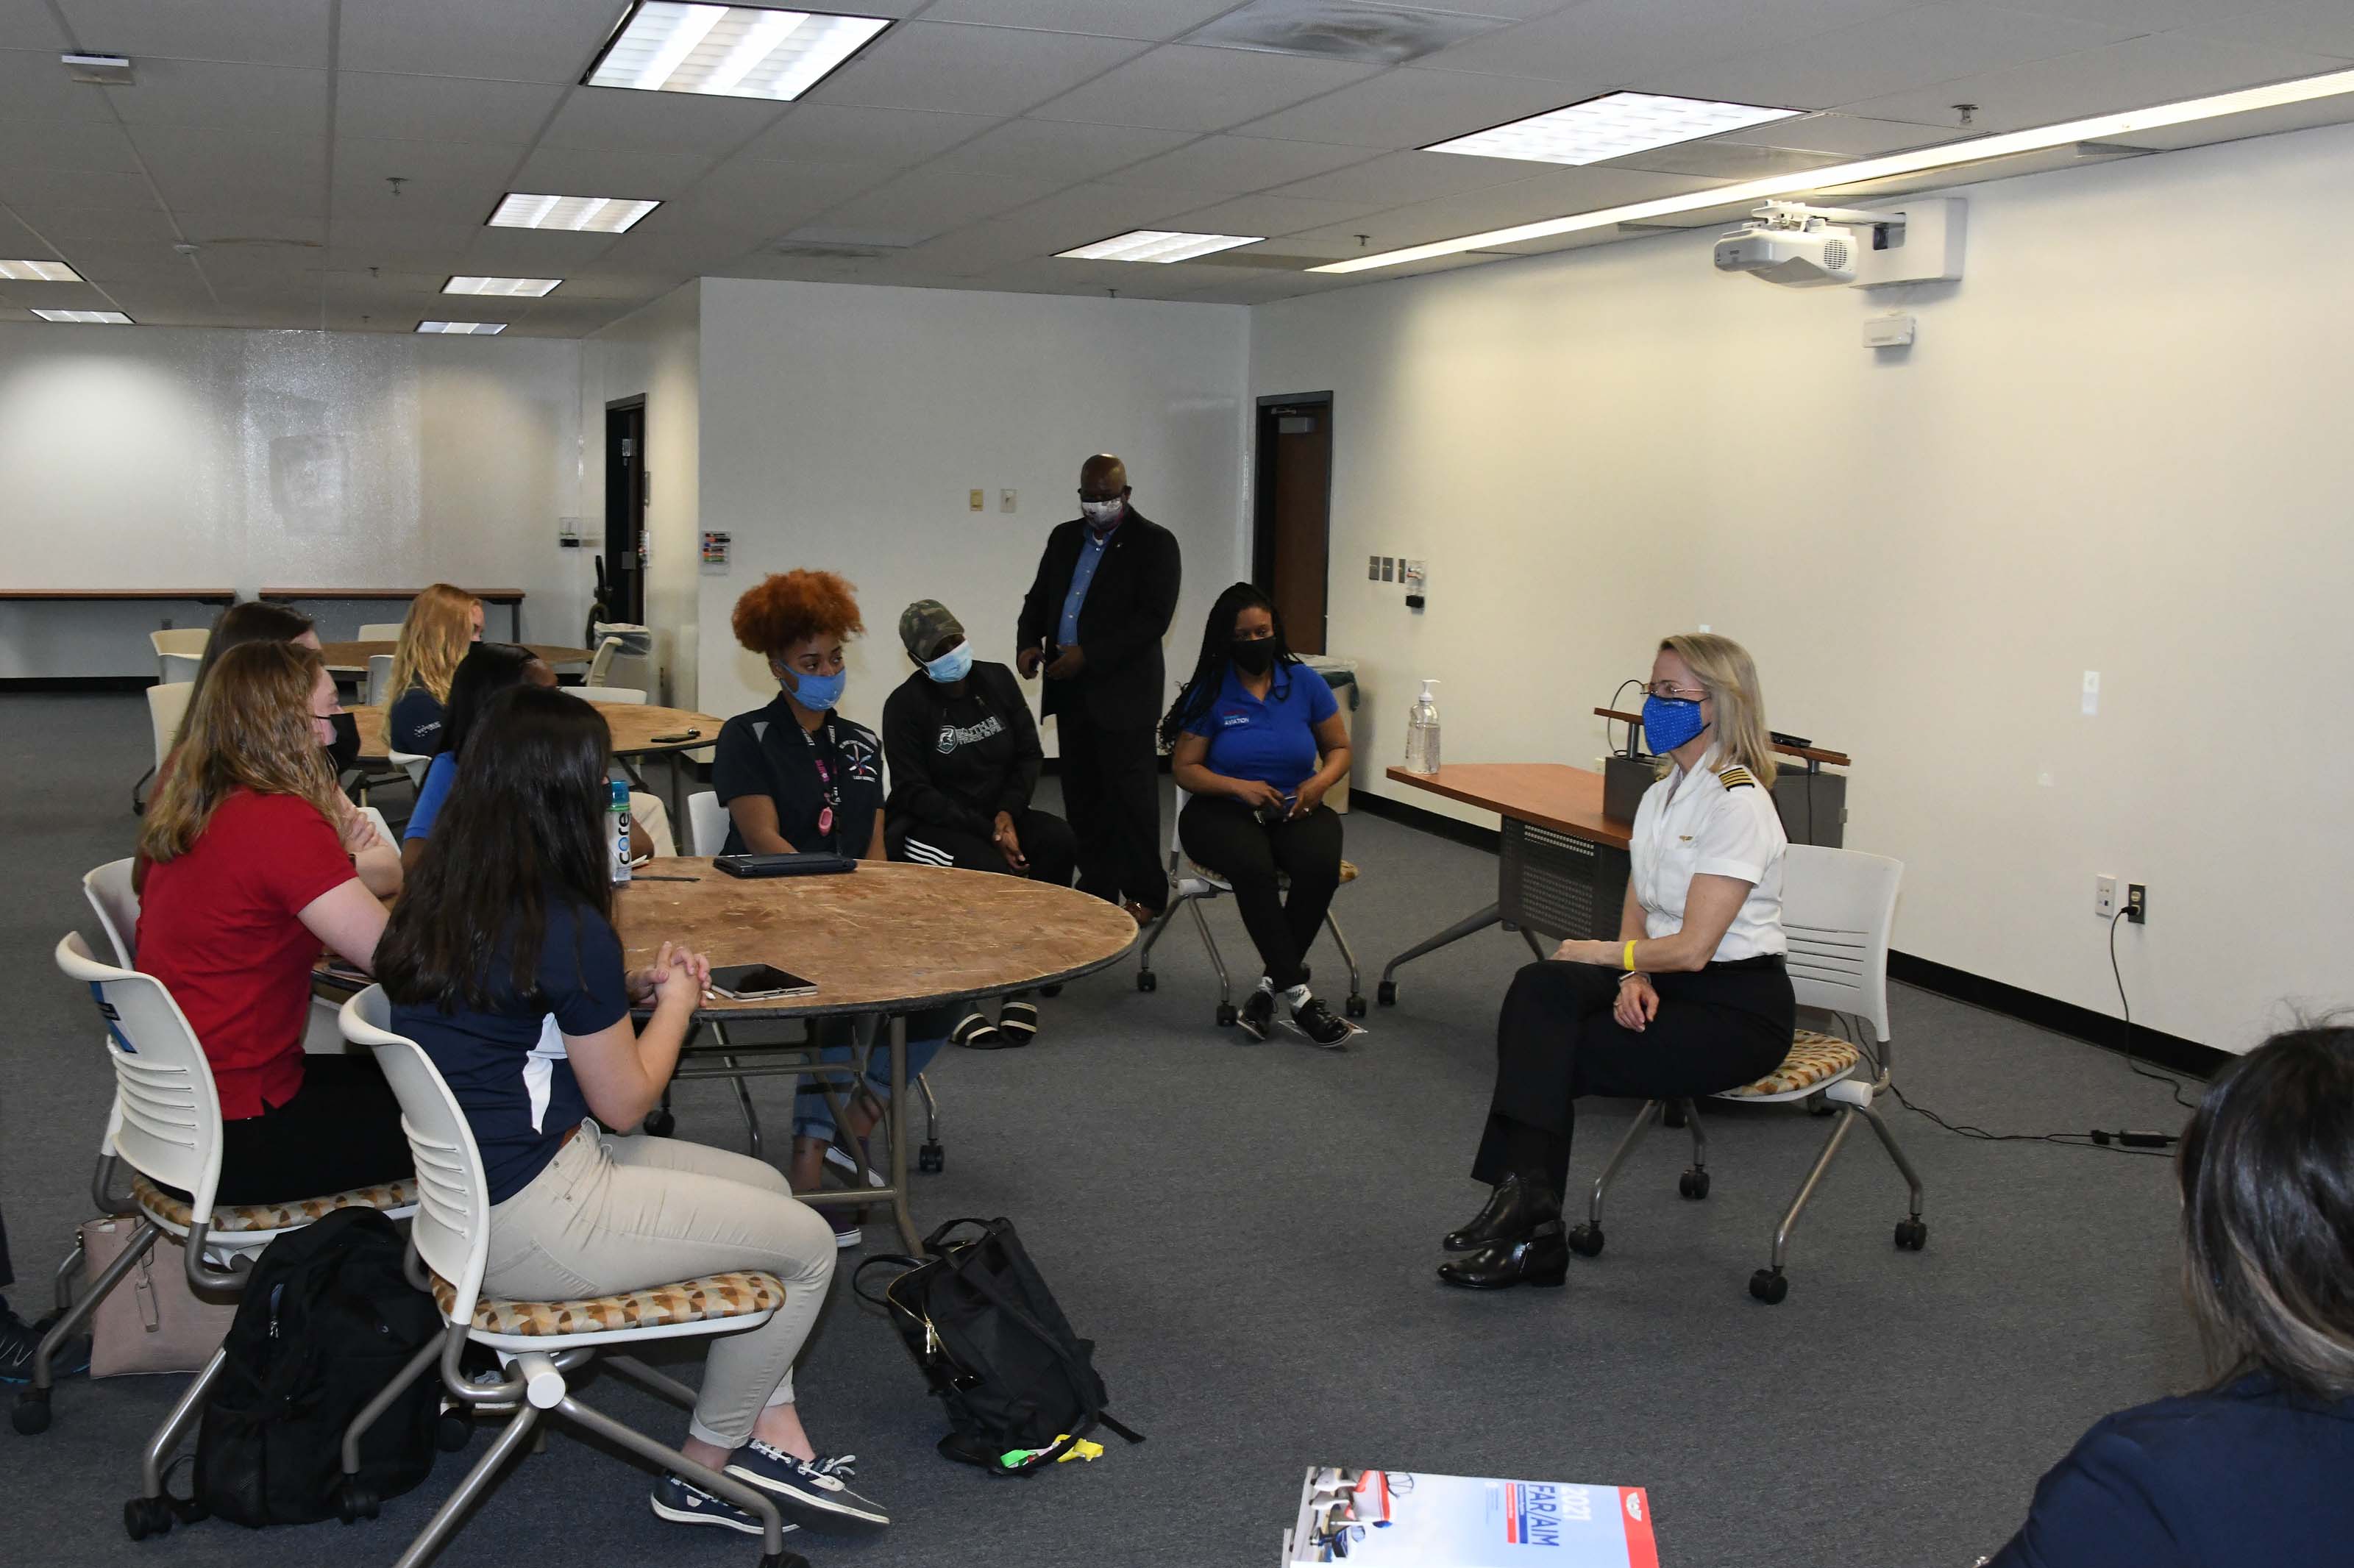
x=767, y=752
x=1273, y=740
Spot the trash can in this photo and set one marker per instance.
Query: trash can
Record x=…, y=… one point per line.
x=1341, y=674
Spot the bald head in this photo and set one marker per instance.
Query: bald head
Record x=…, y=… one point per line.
x=1103, y=475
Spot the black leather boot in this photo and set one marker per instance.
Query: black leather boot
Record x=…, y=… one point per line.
x=1540, y=1258
x=1514, y=1208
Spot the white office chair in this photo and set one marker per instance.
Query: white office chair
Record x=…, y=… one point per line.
x=1838, y=907
x=1191, y=884
x=178, y=651
x=381, y=631
x=167, y=704
x=707, y=823
x=540, y=1343
x=608, y=693
x=169, y=1132
x=107, y=888
x=600, y=664
x=412, y=763
x=377, y=690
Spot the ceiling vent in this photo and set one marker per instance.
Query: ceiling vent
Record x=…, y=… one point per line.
x=98, y=71
x=1340, y=30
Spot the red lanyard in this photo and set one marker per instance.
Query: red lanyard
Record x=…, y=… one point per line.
x=825, y=780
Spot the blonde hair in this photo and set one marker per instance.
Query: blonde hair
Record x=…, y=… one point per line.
x=438, y=631
x=1727, y=674
x=250, y=729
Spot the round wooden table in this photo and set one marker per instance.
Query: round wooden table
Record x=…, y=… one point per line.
x=639, y=730
x=883, y=941
x=351, y=658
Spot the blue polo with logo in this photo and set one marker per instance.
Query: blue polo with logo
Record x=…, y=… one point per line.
x=1273, y=740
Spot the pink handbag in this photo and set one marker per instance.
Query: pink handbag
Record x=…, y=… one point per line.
x=151, y=1321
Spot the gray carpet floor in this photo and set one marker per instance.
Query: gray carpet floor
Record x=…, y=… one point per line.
x=1248, y=1232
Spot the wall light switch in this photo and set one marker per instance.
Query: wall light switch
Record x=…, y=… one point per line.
x=2092, y=691
x=975, y=501
x=1389, y=569
x=1373, y=568
x=1005, y=501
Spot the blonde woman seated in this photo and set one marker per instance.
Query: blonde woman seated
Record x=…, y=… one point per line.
x=442, y=624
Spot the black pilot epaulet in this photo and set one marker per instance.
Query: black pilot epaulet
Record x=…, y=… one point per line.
x=1737, y=777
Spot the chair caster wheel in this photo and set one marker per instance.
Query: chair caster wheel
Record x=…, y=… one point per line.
x=1227, y=1015
x=1693, y=1183
x=453, y=1431
x=1768, y=1285
x=1147, y=980
x=931, y=1158
x=1585, y=1241
x=354, y=1499
x=1911, y=1235
x=32, y=1413
x=661, y=1122
x=1671, y=1114
x=1386, y=993
x=1356, y=1006
x=143, y=1517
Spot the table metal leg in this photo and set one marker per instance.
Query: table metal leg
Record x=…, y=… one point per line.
x=1470, y=926
x=899, y=1133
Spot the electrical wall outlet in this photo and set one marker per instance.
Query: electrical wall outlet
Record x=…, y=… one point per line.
x=1005, y=501
x=2105, y=898
x=2136, y=904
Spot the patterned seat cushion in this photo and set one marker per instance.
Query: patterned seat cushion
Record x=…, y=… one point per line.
x=712, y=1297
x=1813, y=1059
x=175, y=1212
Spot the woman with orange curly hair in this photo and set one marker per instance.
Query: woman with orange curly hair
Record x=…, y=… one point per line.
x=797, y=776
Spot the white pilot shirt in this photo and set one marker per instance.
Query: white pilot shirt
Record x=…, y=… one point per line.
x=1711, y=824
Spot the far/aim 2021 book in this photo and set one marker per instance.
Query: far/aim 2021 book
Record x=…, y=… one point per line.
x=1378, y=1517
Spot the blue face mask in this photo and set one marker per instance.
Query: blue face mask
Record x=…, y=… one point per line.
x=952, y=666
x=1670, y=722
x=818, y=694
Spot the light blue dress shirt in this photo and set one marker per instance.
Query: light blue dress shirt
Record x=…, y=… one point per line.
x=1092, y=547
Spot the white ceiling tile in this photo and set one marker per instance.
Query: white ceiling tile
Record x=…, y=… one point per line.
x=1395, y=178
x=198, y=169
x=1131, y=280
x=1273, y=215
x=2141, y=16
x=34, y=86
x=2311, y=27
x=1059, y=149
x=969, y=69
x=605, y=171
x=256, y=32
x=38, y=189
x=255, y=230
x=441, y=182
x=603, y=283
x=916, y=207
x=356, y=239
x=981, y=248
x=1412, y=108
x=1086, y=213
x=66, y=145
x=747, y=196
x=1154, y=19
x=120, y=266
x=1182, y=88
x=72, y=226
x=846, y=133
x=266, y=99
x=1849, y=134
x=1233, y=164
x=514, y=41
x=2132, y=75
x=643, y=250
x=534, y=252
x=626, y=120
x=440, y=109
x=1605, y=44
x=1889, y=55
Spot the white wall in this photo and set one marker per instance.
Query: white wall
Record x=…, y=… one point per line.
x=656, y=353
x=172, y=458
x=2120, y=445
x=842, y=428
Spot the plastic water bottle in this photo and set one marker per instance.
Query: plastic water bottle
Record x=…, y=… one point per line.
x=617, y=824
x=1422, y=733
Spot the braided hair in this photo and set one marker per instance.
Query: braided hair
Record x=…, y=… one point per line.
x=1210, y=670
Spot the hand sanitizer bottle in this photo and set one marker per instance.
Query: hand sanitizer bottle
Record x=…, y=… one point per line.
x=1422, y=733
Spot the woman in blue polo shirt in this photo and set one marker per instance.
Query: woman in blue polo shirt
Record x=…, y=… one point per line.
x=1257, y=740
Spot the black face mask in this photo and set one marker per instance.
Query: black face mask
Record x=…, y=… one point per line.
x=1255, y=657
x=343, y=751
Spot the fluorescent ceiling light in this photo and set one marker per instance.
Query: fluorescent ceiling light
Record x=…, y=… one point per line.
x=100, y=318
x=1610, y=127
x=735, y=52
x=479, y=329
x=597, y=215
x=39, y=272
x=1890, y=166
x=1158, y=245
x=530, y=288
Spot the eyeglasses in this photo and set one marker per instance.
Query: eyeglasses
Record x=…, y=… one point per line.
x=1667, y=691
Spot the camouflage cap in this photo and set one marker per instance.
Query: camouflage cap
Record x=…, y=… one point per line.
x=924, y=626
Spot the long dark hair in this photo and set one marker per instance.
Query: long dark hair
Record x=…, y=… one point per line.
x=1210, y=670
x=490, y=668
x=521, y=832
x=252, y=621
x=2267, y=1175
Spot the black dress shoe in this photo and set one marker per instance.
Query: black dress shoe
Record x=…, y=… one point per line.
x=1515, y=1208
x=1540, y=1258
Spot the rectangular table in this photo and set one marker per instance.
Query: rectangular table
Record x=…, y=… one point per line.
x=511, y=598
x=1561, y=866
x=168, y=596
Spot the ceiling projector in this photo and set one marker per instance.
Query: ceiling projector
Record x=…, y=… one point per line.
x=1791, y=246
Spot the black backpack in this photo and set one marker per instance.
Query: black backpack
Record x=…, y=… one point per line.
x=326, y=1322
x=995, y=1348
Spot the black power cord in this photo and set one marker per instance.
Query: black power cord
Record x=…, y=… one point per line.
x=1629, y=680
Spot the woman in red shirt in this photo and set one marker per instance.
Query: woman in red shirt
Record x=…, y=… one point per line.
x=250, y=876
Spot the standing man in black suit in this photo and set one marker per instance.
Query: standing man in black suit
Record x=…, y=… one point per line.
x=1093, y=620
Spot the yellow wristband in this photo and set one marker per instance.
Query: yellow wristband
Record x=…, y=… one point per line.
x=1627, y=957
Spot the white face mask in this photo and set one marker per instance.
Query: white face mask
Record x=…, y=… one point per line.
x=1099, y=511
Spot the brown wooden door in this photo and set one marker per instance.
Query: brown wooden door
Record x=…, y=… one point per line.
x=1290, y=555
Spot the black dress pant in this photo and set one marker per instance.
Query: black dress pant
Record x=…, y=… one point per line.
x=1222, y=833
x=342, y=1129
x=1047, y=844
x=1111, y=787
x=1717, y=1029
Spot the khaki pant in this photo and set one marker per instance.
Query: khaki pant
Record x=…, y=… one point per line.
x=613, y=1213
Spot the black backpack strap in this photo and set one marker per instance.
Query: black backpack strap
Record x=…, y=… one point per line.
x=1125, y=1431
x=906, y=1266
x=932, y=1243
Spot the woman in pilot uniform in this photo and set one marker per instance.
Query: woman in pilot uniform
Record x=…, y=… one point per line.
x=1692, y=998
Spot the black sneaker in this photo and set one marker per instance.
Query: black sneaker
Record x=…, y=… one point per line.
x=845, y=1223
x=1258, y=1013
x=1315, y=1020
x=819, y=1485
x=19, y=1340
x=681, y=1501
